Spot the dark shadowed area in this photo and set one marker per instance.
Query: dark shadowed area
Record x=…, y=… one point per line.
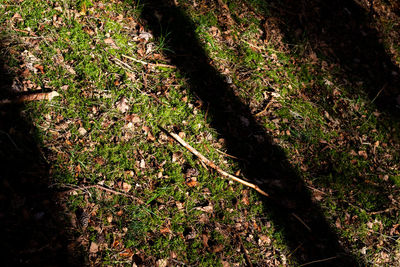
x=33, y=228
x=341, y=32
x=263, y=162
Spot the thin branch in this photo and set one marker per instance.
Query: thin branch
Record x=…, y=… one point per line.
x=317, y=261
x=149, y=64
x=302, y=222
x=100, y=187
x=383, y=211
x=31, y=97
x=212, y=164
x=244, y=251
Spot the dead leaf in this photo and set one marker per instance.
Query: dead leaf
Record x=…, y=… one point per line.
x=122, y=105
x=40, y=68
x=116, y=244
x=145, y=35
x=204, y=238
x=94, y=247
x=363, y=154
x=165, y=230
x=17, y=17
x=82, y=131
x=142, y=164
x=126, y=187
x=111, y=42
x=217, y=248
x=179, y=205
x=162, y=263
x=126, y=253
x=204, y=218
x=338, y=223
x=192, y=182
x=208, y=209
x=264, y=240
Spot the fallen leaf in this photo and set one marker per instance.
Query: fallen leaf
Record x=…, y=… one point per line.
x=94, y=247
x=142, y=164
x=165, y=230
x=145, y=35
x=82, y=131
x=40, y=68
x=122, y=105
x=162, y=263
x=204, y=238
x=115, y=244
x=338, y=223
x=217, y=248
x=126, y=253
x=192, y=182
x=208, y=209
x=126, y=187
x=363, y=154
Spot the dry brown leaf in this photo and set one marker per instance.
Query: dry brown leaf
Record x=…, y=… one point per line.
x=338, y=223
x=142, y=164
x=82, y=131
x=94, y=247
x=208, y=209
x=217, y=248
x=122, y=105
x=126, y=187
x=162, y=263
x=192, y=182
x=363, y=154
x=165, y=230
x=40, y=68
x=204, y=238
x=126, y=253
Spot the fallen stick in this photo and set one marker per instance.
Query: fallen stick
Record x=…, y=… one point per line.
x=100, y=187
x=31, y=97
x=244, y=251
x=212, y=164
x=150, y=64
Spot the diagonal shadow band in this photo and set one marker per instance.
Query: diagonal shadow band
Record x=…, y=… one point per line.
x=265, y=163
x=343, y=33
x=33, y=228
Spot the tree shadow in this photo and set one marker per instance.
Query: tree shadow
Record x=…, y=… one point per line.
x=341, y=33
x=33, y=228
x=263, y=162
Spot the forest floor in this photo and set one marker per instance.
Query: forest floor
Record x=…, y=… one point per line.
x=300, y=99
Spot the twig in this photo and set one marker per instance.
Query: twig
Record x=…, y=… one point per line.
x=212, y=164
x=100, y=187
x=31, y=97
x=317, y=261
x=302, y=222
x=149, y=64
x=122, y=64
x=226, y=154
x=380, y=91
x=383, y=211
x=244, y=251
x=264, y=110
x=315, y=189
